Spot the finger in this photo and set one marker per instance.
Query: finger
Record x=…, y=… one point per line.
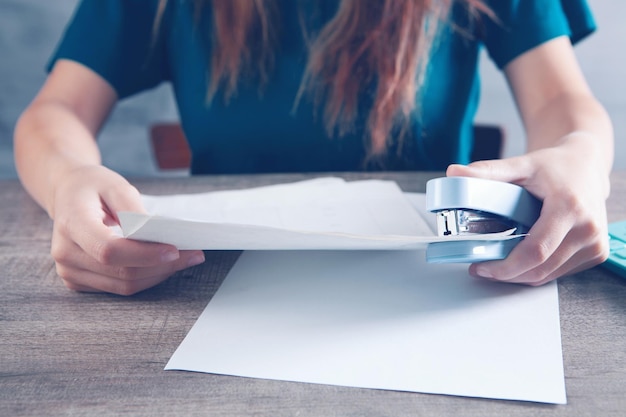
x=123, y=198
x=77, y=280
x=538, y=274
x=120, y=252
x=80, y=288
x=85, y=241
x=582, y=248
x=543, y=240
x=515, y=170
x=106, y=193
x=572, y=257
x=126, y=281
x=72, y=257
x=572, y=266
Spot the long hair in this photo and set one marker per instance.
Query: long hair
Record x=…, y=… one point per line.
x=383, y=44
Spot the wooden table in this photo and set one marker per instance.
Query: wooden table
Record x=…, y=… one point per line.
x=66, y=353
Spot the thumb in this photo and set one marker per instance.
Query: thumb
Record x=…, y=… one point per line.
x=514, y=170
x=121, y=197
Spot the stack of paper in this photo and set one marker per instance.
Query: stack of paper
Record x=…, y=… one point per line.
x=325, y=213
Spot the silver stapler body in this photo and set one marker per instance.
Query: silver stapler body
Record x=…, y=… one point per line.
x=466, y=205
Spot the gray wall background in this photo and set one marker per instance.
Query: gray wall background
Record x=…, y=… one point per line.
x=30, y=29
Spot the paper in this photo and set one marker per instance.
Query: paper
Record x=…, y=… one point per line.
x=379, y=319
x=372, y=319
x=325, y=213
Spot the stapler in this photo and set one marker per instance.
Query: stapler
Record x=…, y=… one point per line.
x=466, y=205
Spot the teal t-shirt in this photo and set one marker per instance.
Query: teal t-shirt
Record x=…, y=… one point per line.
x=260, y=132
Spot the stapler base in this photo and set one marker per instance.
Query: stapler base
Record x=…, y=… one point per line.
x=469, y=251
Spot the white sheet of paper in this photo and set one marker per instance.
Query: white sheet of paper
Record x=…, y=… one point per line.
x=379, y=319
x=324, y=213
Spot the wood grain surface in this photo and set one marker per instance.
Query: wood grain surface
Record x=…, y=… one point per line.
x=70, y=354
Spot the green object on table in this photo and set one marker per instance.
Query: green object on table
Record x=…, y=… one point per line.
x=617, y=257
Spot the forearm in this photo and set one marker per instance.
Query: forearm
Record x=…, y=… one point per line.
x=50, y=141
x=571, y=117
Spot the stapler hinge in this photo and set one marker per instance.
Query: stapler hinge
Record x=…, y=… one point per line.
x=462, y=221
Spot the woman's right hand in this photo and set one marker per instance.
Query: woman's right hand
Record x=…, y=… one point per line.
x=89, y=255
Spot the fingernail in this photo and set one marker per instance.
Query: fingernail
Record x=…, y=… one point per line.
x=483, y=272
x=169, y=256
x=196, y=260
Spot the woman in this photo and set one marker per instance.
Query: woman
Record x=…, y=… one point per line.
x=327, y=85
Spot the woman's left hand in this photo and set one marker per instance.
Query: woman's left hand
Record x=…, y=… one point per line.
x=571, y=233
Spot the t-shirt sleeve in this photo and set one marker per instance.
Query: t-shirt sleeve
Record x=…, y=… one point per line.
x=524, y=24
x=115, y=39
